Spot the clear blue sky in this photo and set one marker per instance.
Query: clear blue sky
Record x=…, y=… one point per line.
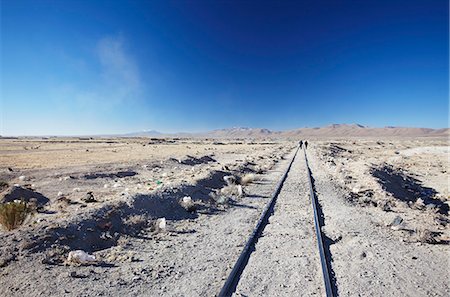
x=82, y=67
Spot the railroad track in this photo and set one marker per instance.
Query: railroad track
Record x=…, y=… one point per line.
x=238, y=269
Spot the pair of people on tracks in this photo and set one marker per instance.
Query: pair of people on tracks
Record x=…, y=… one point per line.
x=301, y=144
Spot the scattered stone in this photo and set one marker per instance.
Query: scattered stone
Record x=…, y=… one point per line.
x=384, y=205
x=397, y=223
x=74, y=274
x=219, y=199
x=188, y=204
x=89, y=198
x=240, y=191
x=80, y=257
x=22, y=177
x=161, y=224
x=419, y=204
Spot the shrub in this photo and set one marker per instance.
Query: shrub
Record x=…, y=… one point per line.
x=3, y=185
x=13, y=214
x=248, y=179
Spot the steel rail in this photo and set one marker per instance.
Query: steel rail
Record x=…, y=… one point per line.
x=323, y=258
x=230, y=284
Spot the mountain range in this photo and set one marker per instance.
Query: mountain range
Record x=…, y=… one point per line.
x=334, y=130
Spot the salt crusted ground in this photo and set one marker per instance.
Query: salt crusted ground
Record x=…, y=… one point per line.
x=385, y=204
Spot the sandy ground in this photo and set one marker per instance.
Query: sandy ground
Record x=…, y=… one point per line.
x=191, y=257
x=286, y=260
x=385, y=205
x=371, y=257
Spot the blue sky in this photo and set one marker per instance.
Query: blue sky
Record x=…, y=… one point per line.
x=88, y=67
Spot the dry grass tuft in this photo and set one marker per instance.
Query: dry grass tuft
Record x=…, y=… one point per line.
x=232, y=191
x=13, y=214
x=3, y=185
x=426, y=236
x=248, y=179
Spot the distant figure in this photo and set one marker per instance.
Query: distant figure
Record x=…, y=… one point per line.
x=306, y=144
x=300, y=143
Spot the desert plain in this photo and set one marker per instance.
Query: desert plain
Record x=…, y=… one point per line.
x=160, y=220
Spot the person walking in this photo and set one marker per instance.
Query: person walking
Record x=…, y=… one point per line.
x=300, y=143
x=306, y=144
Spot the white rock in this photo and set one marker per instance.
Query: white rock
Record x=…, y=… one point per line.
x=164, y=174
x=60, y=194
x=76, y=189
x=127, y=190
x=66, y=178
x=22, y=177
x=80, y=257
x=105, y=186
x=187, y=199
x=117, y=185
x=240, y=192
x=162, y=223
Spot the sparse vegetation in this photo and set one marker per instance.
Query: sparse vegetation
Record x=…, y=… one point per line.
x=13, y=214
x=3, y=185
x=426, y=236
x=247, y=179
x=232, y=191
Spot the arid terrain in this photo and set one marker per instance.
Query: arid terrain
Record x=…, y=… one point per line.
x=160, y=219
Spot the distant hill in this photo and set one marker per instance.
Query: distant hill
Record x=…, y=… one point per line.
x=355, y=130
x=145, y=133
x=240, y=132
x=334, y=130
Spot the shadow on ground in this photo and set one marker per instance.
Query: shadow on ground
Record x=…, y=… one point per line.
x=101, y=228
x=406, y=188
